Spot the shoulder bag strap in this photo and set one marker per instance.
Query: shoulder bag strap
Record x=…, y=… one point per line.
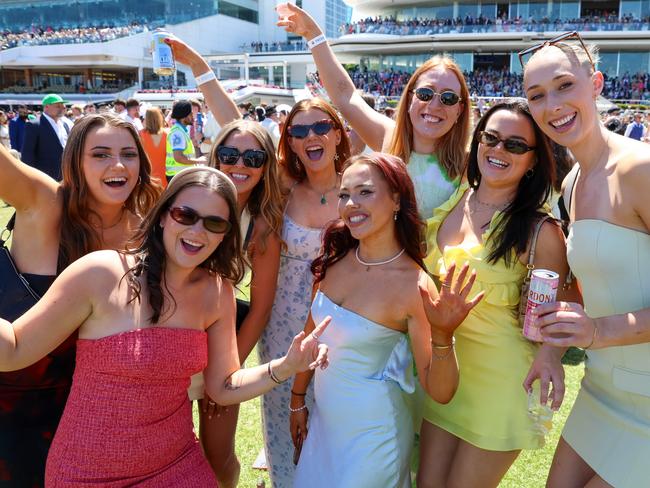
x=4, y=235
x=531, y=265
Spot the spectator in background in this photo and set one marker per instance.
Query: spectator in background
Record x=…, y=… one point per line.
x=132, y=114
x=636, y=130
x=154, y=141
x=119, y=106
x=210, y=130
x=357, y=146
x=282, y=111
x=4, y=130
x=77, y=111
x=272, y=128
x=180, y=149
x=17, y=128
x=196, y=129
x=46, y=137
x=89, y=108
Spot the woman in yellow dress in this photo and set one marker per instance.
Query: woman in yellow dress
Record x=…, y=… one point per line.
x=489, y=222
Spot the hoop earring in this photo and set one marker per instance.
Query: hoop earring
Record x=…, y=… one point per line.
x=530, y=172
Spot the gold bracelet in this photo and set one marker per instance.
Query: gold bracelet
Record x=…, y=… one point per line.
x=593, y=336
x=448, y=346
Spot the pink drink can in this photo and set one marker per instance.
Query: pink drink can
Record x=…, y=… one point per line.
x=543, y=289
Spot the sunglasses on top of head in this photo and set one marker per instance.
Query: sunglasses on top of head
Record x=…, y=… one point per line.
x=252, y=158
x=189, y=216
x=573, y=35
x=320, y=128
x=511, y=145
x=447, y=97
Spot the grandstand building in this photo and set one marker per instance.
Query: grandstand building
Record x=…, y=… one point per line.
x=94, y=50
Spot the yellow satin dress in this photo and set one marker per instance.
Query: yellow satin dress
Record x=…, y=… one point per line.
x=490, y=407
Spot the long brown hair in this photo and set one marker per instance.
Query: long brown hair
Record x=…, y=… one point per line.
x=513, y=232
x=78, y=237
x=288, y=158
x=451, y=148
x=266, y=199
x=409, y=229
x=154, y=121
x=226, y=260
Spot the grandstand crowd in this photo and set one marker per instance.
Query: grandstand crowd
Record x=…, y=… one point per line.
x=37, y=36
x=494, y=83
x=603, y=20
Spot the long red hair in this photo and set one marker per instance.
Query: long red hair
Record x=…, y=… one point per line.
x=409, y=228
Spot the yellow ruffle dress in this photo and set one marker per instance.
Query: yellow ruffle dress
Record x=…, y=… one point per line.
x=490, y=408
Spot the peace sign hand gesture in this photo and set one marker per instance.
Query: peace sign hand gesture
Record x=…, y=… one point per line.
x=296, y=21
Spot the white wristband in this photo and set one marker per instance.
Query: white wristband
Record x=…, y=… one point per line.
x=205, y=77
x=316, y=41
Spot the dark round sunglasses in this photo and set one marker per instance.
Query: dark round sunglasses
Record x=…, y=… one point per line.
x=252, y=158
x=511, y=145
x=189, y=216
x=320, y=128
x=447, y=97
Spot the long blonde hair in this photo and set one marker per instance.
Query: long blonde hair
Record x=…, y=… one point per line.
x=266, y=199
x=451, y=148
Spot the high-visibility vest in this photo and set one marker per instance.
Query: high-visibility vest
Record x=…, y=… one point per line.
x=171, y=165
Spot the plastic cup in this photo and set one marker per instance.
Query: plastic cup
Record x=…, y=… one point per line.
x=540, y=414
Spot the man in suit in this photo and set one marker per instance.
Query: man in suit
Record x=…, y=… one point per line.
x=17, y=128
x=46, y=137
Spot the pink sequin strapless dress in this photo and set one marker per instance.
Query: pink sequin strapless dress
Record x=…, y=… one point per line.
x=128, y=420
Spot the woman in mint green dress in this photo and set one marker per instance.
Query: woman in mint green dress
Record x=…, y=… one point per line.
x=432, y=125
x=606, y=439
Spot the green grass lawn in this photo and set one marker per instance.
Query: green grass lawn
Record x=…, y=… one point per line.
x=529, y=471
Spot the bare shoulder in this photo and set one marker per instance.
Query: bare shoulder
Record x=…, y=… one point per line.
x=551, y=237
x=407, y=286
x=100, y=271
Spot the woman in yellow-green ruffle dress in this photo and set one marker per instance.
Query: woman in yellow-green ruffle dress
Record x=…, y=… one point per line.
x=489, y=223
x=490, y=408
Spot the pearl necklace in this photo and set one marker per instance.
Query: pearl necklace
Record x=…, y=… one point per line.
x=379, y=263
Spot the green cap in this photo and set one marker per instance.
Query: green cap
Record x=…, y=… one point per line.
x=52, y=98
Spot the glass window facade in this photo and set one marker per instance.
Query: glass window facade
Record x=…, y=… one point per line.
x=565, y=9
x=336, y=14
x=440, y=12
x=638, y=8
x=95, y=13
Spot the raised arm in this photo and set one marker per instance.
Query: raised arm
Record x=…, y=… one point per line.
x=374, y=128
x=433, y=319
x=227, y=384
x=23, y=187
x=216, y=98
x=265, y=262
x=63, y=309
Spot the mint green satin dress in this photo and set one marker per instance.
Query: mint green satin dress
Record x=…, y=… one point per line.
x=609, y=426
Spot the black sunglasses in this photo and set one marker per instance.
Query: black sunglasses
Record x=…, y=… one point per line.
x=189, y=216
x=562, y=37
x=447, y=97
x=320, y=128
x=511, y=145
x=253, y=158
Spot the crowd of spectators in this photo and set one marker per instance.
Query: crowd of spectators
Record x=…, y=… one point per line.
x=268, y=47
x=596, y=21
x=495, y=83
x=78, y=35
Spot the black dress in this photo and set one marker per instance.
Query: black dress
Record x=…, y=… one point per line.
x=31, y=405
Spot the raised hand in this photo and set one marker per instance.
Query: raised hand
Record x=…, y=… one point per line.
x=183, y=53
x=306, y=352
x=565, y=324
x=447, y=311
x=296, y=21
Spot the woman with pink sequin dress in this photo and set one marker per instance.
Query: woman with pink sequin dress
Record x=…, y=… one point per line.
x=148, y=320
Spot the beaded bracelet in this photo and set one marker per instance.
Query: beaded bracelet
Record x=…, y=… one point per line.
x=449, y=347
x=294, y=410
x=272, y=375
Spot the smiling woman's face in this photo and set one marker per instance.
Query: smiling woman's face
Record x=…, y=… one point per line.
x=561, y=95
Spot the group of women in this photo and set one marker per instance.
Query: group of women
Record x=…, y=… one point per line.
x=338, y=255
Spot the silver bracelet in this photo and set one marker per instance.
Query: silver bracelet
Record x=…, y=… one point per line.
x=272, y=375
x=205, y=77
x=294, y=410
x=311, y=44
